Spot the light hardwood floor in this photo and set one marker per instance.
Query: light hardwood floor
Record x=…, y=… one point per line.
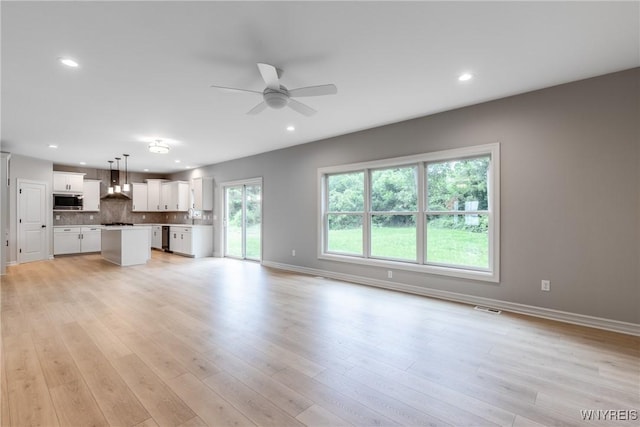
x=182, y=342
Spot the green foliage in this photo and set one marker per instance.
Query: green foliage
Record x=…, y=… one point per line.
x=458, y=185
x=346, y=192
x=234, y=205
x=394, y=190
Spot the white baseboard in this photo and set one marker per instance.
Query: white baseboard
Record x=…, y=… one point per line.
x=546, y=313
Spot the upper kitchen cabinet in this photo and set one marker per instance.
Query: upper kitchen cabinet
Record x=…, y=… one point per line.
x=154, y=195
x=91, y=193
x=175, y=196
x=202, y=189
x=68, y=182
x=140, y=197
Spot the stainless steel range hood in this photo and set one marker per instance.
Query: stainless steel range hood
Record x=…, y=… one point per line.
x=114, y=180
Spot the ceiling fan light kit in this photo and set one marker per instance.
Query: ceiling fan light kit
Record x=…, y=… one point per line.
x=276, y=99
x=277, y=96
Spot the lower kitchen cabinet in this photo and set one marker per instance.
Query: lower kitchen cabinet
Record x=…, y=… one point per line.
x=90, y=239
x=195, y=241
x=75, y=240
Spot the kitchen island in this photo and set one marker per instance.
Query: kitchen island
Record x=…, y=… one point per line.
x=126, y=245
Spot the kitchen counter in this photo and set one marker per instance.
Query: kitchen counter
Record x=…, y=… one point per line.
x=126, y=245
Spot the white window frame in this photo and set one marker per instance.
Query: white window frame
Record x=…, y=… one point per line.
x=492, y=274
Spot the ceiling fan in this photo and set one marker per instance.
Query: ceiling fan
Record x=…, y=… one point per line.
x=277, y=96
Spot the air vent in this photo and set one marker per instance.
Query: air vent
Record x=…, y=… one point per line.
x=487, y=309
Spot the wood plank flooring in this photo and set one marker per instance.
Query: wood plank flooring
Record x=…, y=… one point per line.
x=215, y=342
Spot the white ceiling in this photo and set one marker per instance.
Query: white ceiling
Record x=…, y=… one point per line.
x=146, y=67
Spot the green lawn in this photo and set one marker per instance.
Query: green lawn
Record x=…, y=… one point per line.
x=444, y=245
x=234, y=241
x=448, y=246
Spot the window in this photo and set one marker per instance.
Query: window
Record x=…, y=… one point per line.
x=435, y=212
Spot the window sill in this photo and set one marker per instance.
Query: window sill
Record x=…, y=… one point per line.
x=485, y=276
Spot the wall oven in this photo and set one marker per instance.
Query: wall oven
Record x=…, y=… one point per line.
x=67, y=202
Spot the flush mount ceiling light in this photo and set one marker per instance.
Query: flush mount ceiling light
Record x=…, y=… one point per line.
x=158, y=147
x=69, y=62
x=291, y=128
x=465, y=77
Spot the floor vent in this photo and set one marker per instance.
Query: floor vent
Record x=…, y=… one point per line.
x=487, y=309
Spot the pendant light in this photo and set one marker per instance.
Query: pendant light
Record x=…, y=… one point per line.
x=118, y=188
x=126, y=187
x=110, y=189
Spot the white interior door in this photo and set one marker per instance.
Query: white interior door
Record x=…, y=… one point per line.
x=32, y=221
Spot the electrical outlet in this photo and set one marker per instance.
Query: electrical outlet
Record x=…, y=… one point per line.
x=144, y=216
x=57, y=217
x=90, y=216
x=389, y=274
x=293, y=252
x=545, y=285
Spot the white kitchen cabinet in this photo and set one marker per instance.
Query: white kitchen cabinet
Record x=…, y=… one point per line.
x=202, y=190
x=68, y=182
x=175, y=196
x=140, y=197
x=75, y=240
x=66, y=240
x=90, y=239
x=91, y=193
x=156, y=237
x=180, y=240
x=154, y=195
x=193, y=241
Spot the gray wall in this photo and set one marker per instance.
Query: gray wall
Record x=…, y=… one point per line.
x=570, y=210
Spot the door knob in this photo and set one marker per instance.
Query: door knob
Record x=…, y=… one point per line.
x=43, y=226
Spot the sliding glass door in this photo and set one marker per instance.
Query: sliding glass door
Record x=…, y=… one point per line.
x=243, y=220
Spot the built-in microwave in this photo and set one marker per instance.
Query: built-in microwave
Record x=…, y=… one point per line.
x=67, y=202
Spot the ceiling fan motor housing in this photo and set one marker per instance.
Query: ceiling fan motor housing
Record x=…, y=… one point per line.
x=276, y=98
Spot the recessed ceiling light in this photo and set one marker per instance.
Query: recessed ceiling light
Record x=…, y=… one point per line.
x=68, y=62
x=187, y=167
x=145, y=169
x=177, y=161
x=53, y=146
x=291, y=128
x=83, y=163
x=465, y=77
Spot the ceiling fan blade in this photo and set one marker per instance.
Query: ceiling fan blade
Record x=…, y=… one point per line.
x=314, y=90
x=233, y=89
x=301, y=108
x=257, y=109
x=269, y=75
